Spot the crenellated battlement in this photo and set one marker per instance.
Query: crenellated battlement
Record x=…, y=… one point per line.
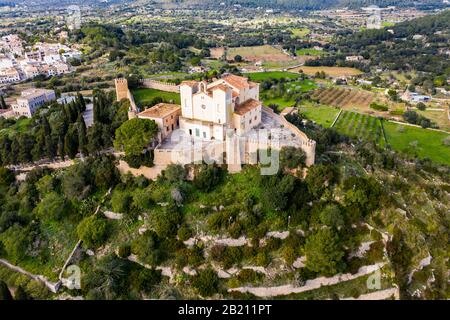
x=160, y=85
x=121, y=88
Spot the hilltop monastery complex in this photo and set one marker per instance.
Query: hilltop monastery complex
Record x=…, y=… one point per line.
x=223, y=117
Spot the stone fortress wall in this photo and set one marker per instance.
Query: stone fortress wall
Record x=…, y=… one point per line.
x=123, y=92
x=160, y=85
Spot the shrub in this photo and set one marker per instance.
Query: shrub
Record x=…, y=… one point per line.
x=262, y=258
x=93, y=230
x=121, y=201
x=207, y=177
x=235, y=230
x=206, y=282
x=379, y=107
x=52, y=207
x=289, y=255
x=324, y=252
x=6, y=176
x=147, y=279
x=292, y=157
x=249, y=276
x=5, y=294
x=20, y=294
x=273, y=244
x=227, y=256
x=146, y=247
x=184, y=232
x=143, y=159
x=124, y=250
x=175, y=173
x=421, y=106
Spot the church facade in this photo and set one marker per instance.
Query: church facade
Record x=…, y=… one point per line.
x=208, y=110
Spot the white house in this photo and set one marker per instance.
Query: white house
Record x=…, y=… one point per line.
x=354, y=58
x=10, y=75
x=414, y=97
x=32, y=99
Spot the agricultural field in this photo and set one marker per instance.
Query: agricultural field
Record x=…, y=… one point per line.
x=217, y=53
x=270, y=56
x=213, y=64
x=330, y=71
x=300, y=86
x=415, y=141
x=361, y=126
x=300, y=32
x=439, y=117
x=343, y=97
x=323, y=115
x=144, y=96
x=261, y=76
x=288, y=99
x=309, y=52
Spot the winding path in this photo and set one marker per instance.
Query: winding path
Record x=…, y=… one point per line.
x=313, y=284
x=52, y=286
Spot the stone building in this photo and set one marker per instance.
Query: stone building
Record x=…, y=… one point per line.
x=32, y=99
x=166, y=117
x=208, y=110
x=222, y=120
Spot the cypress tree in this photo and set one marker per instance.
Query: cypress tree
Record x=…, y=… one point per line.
x=61, y=148
x=81, y=101
x=2, y=103
x=71, y=142
x=82, y=135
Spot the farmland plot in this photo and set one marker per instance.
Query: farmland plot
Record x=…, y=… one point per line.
x=360, y=126
x=343, y=97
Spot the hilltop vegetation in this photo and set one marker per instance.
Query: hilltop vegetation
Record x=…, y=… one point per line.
x=398, y=50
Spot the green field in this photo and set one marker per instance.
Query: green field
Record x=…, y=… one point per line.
x=388, y=24
x=298, y=86
x=213, y=64
x=360, y=126
x=300, y=32
x=145, y=96
x=309, y=52
x=423, y=143
x=261, y=76
x=323, y=115
x=301, y=85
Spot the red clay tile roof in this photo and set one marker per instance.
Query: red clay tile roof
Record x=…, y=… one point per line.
x=220, y=87
x=160, y=110
x=236, y=81
x=245, y=107
x=191, y=83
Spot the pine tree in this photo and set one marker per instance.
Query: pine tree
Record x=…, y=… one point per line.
x=4, y=292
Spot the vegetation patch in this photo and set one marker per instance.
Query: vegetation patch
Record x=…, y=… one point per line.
x=146, y=97
x=419, y=142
